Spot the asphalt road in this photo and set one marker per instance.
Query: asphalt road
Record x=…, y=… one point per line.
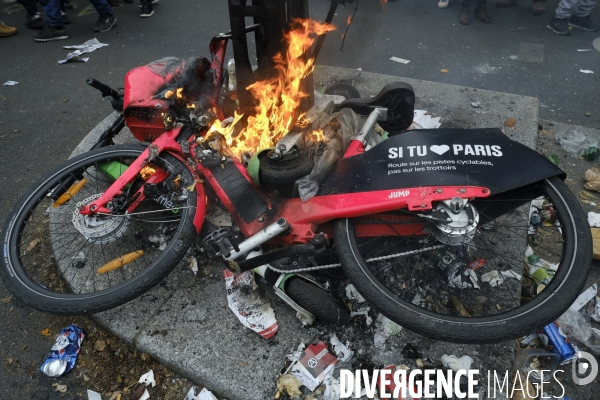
x=51, y=109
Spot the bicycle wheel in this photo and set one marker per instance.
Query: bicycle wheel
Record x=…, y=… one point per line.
x=62, y=262
x=422, y=279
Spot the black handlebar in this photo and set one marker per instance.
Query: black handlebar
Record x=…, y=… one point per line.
x=104, y=89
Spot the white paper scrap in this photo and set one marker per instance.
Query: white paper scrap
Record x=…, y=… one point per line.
x=10, y=83
x=584, y=298
x=511, y=274
x=148, y=378
x=87, y=47
x=400, y=60
x=493, y=278
x=253, y=311
x=456, y=364
x=363, y=311
x=353, y=294
x=584, y=49
x=93, y=395
x=594, y=219
x=586, y=71
x=145, y=395
x=341, y=350
x=384, y=328
x=204, y=394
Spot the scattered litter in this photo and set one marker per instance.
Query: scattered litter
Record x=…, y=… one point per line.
x=93, y=395
x=145, y=395
x=99, y=345
x=579, y=330
x=194, y=265
x=204, y=394
x=332, y=388
x=253, y=311
x=493, y=278
x=594, y=219
x=455, y=363
x=553, y=159
x=444, y=70
x=10, y=83
x=473, y=276
x=384, y=328
x=33, y=243
x=510, y=122
x=575, y=143
x=63, y=354
x=588, y=295
x=586, y=71
x=591, y=153
x=422, y=120
x=363, y=311
x=584, y=49
x=476, y=104
x=400, y=60
x=511, y=274
x=460, y=308
x=596, y=315
x=60, y=388
x=148, y=378
x=353, y=294
x=289, y=385
x=342, y=351
x=87, y=47
x=314, y=364
x=45, y=332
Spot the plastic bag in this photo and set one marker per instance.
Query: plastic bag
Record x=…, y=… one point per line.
x=580, y=331
x=575, y=143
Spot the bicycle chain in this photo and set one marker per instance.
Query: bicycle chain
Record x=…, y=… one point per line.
x=318, y=267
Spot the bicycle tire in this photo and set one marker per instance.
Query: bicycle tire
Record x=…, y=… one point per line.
x=60, y=298
x=317, y=301
x=548, y=305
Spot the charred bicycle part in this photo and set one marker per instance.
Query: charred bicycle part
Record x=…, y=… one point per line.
x=278, y=172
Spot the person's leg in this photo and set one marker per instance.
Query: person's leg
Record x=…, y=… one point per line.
x=581, y=16
x=464, y=18
x=539, y=7
x=481, y=11
x=30, y=7
x=102, y=7
x=565, y=8
x=53, y=16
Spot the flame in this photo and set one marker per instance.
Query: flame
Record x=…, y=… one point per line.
x=349, y=20
x=278, y=99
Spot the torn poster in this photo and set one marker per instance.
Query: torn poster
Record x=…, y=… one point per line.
x=87, y=47
x=316, y=362
x=249, y=307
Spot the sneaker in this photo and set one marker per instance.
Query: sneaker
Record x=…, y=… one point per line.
x=464, y=18
x=7, y=30
x=482, y=15
x=584, y=23
x=146, y=11
x=559, y=26
x=153, y=2
x=105, y=22
x=65, y=19
x=35, y=22
x=539, y=7
x=443, y=3
x=49, y=33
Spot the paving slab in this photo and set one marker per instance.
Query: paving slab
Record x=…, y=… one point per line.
x=185, y=322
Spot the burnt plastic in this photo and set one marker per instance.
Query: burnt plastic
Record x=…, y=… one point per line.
x=397, y=97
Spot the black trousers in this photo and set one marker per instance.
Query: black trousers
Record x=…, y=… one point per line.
x=467, y=3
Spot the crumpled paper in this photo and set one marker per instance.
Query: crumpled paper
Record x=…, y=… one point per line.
x=204, y=394
x=341, y=350
x=384, y=328
x=594, y=219
x=455, y=363
x=592, y=176
x=10, y=83
x=87, y=47
x=493, y=278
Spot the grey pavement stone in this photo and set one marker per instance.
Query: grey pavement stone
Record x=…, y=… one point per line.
x=185, y=322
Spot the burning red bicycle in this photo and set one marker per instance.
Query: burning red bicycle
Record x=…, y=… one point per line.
x=461, y=235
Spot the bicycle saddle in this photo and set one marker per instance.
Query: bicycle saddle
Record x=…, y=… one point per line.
x=397, y=97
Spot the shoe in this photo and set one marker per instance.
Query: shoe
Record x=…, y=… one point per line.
x=105, y=22
x=482, y=15
x=464, y=18
x=153, y=2
x=7, y=30
x=65, y=19
x=35, y=22
x=49, y=33
x=506, y=3
x=146, y=11
x=443, y=3
x=559, y=26
x=539, y=7
x=584, y=23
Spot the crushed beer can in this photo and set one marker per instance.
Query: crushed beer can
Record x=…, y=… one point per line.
x=62, y=356
x=558, y=343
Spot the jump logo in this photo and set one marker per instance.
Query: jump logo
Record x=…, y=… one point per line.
x=457, y=150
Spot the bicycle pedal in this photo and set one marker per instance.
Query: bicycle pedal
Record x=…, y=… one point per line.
x=218, y=244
